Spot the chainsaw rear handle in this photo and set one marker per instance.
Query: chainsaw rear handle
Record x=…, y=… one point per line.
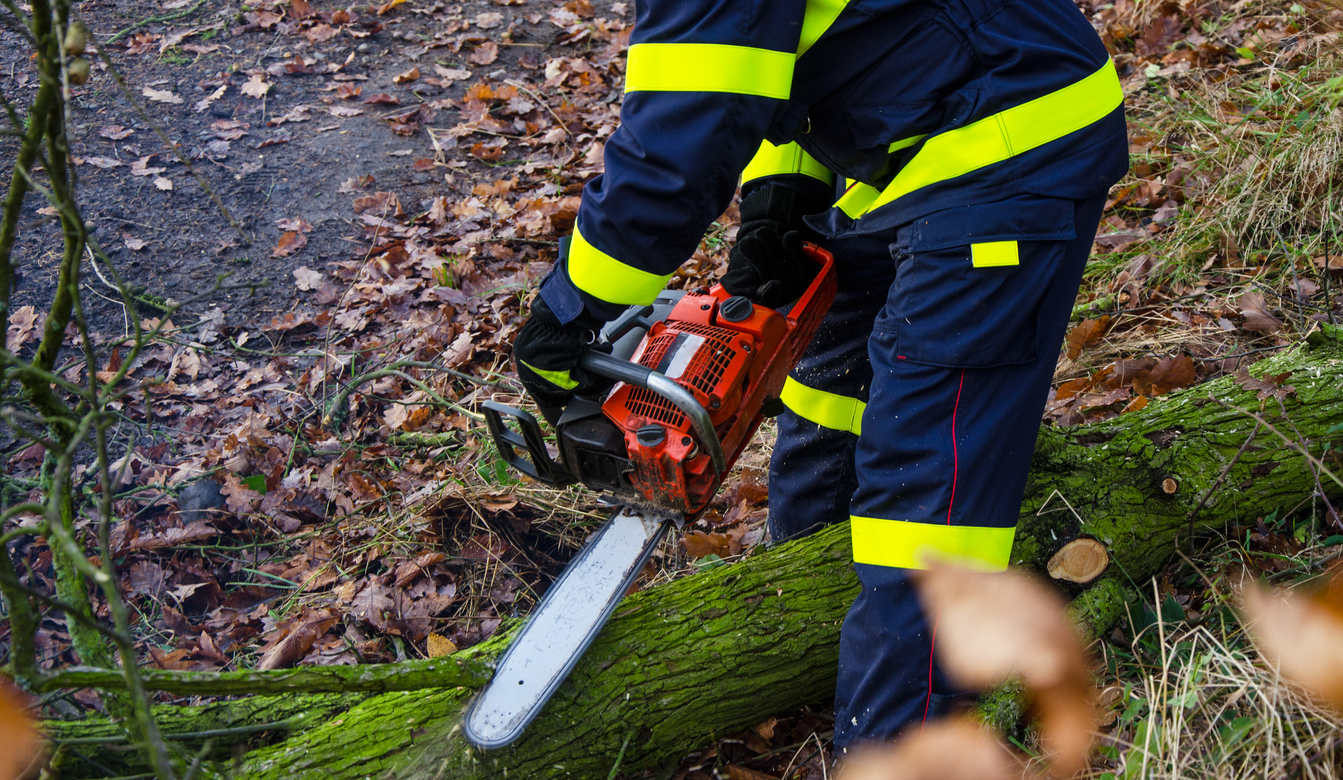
x=656, y=382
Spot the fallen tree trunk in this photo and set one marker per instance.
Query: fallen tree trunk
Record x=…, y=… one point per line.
x=722, y=650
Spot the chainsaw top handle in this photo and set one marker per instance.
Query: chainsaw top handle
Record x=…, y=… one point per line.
x=653, y=381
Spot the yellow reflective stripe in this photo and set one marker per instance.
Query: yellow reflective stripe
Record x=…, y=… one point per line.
x=905, y=143
x=856, y=199
x=709, y=67
x=905, y=545
x=991, y=254
x=1000, y=136
x=819, y=16
x=771, y=160
x=560, y=379
x=827, y=410
x=606, y=278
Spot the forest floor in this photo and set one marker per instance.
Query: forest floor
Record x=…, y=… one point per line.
x=385, y=185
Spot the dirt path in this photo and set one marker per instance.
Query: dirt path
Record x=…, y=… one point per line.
x=328, y=119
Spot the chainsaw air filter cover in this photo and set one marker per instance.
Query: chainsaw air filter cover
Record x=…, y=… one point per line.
x=722, y=363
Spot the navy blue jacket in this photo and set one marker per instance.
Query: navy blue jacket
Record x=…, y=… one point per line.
x=917, y=105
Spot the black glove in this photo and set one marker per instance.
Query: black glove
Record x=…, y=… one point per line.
x=546, y=353
x=767, y=264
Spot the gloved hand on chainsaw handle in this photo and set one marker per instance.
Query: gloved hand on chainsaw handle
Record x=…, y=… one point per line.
x=546, y=352
x=767, y=264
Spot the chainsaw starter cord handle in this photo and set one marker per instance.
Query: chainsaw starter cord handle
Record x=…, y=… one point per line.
x=653, y=381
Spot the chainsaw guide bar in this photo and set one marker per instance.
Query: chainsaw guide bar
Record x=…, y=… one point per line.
x=573, y=611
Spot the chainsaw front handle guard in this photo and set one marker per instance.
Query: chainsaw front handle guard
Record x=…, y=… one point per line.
x=538, y=465
x=656, y=382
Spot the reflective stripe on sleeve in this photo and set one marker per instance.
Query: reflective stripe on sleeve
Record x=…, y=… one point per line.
x=560, y=379
x=709, y=67
x=773, y=160
x=906, y=545
x=606, y=278
x=1000, y=136
x=827, y=410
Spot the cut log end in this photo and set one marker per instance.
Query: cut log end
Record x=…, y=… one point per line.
x=1169, y=486
x=1081, y=561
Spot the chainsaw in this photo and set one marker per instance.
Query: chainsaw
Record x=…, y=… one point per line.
x=695, y=375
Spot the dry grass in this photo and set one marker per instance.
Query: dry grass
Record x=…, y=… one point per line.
x=1205, y=704
x=1256, y=157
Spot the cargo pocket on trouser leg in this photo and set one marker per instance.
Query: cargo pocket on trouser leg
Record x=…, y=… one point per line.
x=970, y=282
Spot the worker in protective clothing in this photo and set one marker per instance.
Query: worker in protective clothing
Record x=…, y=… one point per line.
x=971, y=144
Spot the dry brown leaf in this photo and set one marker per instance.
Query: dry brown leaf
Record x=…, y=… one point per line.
x=20, y=738
x=300, y=9
x=1171, y=373
x=307, y=279
x=1086, y=333
x=994, y=626
x=160, y=95
x=1303, y=634
x=944, y=750
x=163, y=184
x=23, y=325
x=1257, y=316
x=300, y=635
x=256, y=86
x=1269, y=387
x=1335, y=262
x=485, y=54
x=439, y=646
x=240, y=498
x=407, y=77
x=699, y=544
x=115, y=132
x=292, y=241
x=1137, y=404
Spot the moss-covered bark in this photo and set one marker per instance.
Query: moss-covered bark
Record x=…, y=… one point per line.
x=97, y=746
x=724, y=649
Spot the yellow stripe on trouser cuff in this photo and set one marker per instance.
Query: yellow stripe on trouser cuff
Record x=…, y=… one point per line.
x=827, y=410
x=1000, y=136
x=905, y=545
x=709, y=67
x=771, y=160
x=606, y=278
x=560, y=379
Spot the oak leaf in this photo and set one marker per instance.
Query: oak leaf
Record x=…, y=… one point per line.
x=307, y=279
x=292, y=241
x=485, y=54
x=1086, y=333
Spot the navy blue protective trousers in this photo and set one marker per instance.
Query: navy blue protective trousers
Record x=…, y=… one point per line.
x=914, y=413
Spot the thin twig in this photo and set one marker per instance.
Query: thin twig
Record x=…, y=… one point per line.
x=155, y=20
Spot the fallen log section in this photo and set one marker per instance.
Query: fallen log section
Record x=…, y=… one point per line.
x=724, y=649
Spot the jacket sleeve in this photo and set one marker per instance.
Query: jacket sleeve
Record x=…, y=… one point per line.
x=788, y=165
x=704, y=82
